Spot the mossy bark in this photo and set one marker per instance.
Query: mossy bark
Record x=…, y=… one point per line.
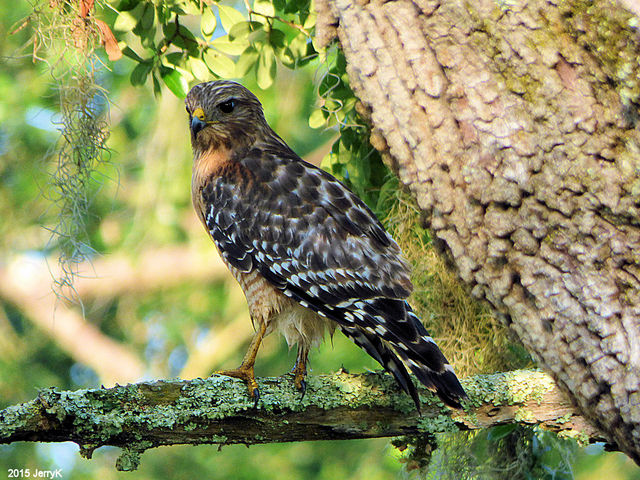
x=340, y=406
x=515, y=125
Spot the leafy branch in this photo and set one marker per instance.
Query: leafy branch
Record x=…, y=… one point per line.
x=247, y=43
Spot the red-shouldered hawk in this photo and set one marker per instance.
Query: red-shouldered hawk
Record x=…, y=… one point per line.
x=308, y=253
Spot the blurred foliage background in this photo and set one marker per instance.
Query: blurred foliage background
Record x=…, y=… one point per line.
x=107, y=277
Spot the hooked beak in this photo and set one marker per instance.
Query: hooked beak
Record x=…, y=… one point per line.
x=197, y=125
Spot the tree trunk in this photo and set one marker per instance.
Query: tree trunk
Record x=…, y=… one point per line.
x=514, y=124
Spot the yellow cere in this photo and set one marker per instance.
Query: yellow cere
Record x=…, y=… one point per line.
x=199, y=113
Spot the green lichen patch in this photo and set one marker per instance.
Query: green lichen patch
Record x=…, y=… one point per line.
x=610, y=33
x=509, y=388
x=129, y=459
x=437, y=424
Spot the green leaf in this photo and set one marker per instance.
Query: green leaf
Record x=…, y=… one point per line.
x=286, y=57
x=208, y=22
x=277, y=38
x=332, y=162
x=219, y=63
x=125, y=5
x=189, y=7
x=266, y=67
x=199, y=69
x=148, y=15
x=318, y=119
x=229, y=16
x=308, y=21
x=185, y=38
x=500, y=432
x=146, y=28
x=241, y=30
x=258, y=37
x=157, y=90
x=174, y=58
x=246, y=62
x=359, y=171
x=175, y=81
x=229, y=47
x=125, y=22
x=169, y=30
x=131, y=54
x=265, y=7
x=302, y=49
x=327, y=84
x=139, y=74
x=297, y=6
x=349, y=138
x=163, y=13
x=298, y=45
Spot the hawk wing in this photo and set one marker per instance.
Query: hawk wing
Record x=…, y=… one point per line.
x=303, y=230
x=318, y=243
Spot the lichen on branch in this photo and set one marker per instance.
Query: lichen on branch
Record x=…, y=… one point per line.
x=217, y=410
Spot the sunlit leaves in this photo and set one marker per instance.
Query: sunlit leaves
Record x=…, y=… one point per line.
x=219, y=64
x=180, y=36
x=229, y=16
x=226, y=41
x=199, y=69
x=208, y=22
x=338, y=106
x=264, y=7
x=236, y=40
x=352, y=158
x=266, y=66
x=317, y=119
x=125, y=22
x=301, y=49
x=247, y=61
x=241, y=31
x=228, y=46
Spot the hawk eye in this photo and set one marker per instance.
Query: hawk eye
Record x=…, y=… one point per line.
x=228, y=106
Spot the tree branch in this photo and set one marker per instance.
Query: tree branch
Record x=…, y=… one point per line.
x=218, y=410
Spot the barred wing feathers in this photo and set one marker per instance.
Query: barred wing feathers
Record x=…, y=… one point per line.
x=314, y=240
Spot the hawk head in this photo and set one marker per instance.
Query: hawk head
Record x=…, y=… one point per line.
x=223, y=110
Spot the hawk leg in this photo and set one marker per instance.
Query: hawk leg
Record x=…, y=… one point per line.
x=300, y=370
x=245, y=370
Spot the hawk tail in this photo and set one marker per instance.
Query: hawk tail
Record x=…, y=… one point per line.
x=430, y=366
x=396, y=323
x=385, y=357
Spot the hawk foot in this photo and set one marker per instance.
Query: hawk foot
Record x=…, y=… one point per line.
x=245, y=373
x=299, y=375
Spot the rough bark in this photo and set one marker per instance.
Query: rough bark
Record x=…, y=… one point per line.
x=218, y=410
x=514, y=124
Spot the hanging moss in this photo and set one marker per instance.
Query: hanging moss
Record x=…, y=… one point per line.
x=466, y=330
x=65, y=34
